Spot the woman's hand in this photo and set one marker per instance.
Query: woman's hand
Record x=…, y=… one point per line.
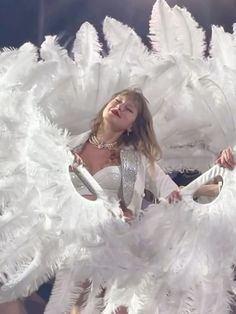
x=226, y=159
x=209, y=190
x=174, y=197
x=127, y=215
x=77, y=161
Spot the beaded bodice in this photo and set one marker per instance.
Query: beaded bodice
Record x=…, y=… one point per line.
x=128, y=169
x=109, y=178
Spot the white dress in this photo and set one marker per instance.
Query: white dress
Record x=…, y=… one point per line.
x=109, y=178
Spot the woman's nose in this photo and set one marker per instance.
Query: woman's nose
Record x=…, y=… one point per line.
x=121, y=107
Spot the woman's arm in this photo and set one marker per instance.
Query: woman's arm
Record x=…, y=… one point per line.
x=160, y=184
x=210, y=190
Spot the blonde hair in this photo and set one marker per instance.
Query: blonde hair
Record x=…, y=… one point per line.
x=142, y=137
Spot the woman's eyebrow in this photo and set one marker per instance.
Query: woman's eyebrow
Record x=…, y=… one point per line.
x=132, y=105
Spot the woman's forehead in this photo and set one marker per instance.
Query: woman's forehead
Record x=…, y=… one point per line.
x=131, y=99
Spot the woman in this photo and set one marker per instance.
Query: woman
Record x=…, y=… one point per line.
x=121, y=152
x=122, y=140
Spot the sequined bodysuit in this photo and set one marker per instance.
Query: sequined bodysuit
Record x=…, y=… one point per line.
x=109, y=178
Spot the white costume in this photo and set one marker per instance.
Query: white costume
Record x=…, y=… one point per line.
x=176, y=258
x=143, y=177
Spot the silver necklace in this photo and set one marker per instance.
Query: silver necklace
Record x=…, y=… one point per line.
x=101, y=145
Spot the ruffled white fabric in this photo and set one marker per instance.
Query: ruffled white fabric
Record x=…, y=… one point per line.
x=109, y=178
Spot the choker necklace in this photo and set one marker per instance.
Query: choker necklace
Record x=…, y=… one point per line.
x=100, y=145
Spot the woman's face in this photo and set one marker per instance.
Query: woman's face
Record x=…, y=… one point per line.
x=120, y=113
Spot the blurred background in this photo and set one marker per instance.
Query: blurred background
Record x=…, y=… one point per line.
x=31, y=20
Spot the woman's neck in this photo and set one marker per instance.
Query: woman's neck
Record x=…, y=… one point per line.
x=107, y=135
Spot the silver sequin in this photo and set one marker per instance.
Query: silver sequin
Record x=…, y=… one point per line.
x=129, y=166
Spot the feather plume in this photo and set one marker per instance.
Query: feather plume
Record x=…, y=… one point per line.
x=66, y=292
x=174, y=31
x=221, y=111
x=51, y=50
x=161, y=29
x=94, y=300
x=86, y=48
x=17, y=64
x=190, y=37
x=124, y=44
x=234, y=31
x=222, y=48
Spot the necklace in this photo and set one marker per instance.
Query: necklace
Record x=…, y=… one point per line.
x=101, y=145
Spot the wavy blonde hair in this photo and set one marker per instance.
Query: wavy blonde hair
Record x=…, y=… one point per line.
x=142, y=137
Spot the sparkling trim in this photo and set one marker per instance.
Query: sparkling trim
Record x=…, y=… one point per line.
x=129, y=167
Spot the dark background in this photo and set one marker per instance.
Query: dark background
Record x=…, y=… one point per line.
x=31, y=20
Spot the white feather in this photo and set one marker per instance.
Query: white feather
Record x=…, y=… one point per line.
x=190, y=37
x=161, y=28
x=66, y=292
x=223, y=48
x=86, y=48
x=47, y=226
x=124, y=44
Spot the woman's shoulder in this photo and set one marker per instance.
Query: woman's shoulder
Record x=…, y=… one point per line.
x=130, y=155
x=132, y=151
x=79, y=139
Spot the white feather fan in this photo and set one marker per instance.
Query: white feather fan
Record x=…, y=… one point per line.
x=47, y=226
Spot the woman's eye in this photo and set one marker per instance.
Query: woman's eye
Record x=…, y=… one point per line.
x=130, y=110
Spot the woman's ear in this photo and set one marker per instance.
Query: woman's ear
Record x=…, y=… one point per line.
x=128, y=131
